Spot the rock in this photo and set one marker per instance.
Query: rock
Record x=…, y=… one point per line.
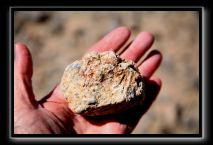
x=102, y=83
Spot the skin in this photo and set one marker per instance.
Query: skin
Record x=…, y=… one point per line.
x=52, y=115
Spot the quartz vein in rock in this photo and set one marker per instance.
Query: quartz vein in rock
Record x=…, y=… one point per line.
x=102, y=83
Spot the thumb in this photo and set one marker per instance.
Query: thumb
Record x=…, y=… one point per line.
x=23, y=60
x=23, y=71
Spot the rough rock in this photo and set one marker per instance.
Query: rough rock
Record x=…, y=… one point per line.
x=102, y=83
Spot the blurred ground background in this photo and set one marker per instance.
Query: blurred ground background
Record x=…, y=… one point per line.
x=56, y=39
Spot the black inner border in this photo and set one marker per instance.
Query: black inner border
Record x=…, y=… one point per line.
x=108, y=9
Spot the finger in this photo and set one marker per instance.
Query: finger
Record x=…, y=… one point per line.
x=153, y=86
x=23, y=60
x=156, y=81
x=138, y=47
x=120, y=51
x=112, y=41
x=150, y=64
x=23, y=70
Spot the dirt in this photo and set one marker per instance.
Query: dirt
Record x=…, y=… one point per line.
x=56, y=39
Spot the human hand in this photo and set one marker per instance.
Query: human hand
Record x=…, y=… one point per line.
x=52, y=115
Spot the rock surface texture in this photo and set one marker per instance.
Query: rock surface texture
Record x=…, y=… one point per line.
x=101, y=84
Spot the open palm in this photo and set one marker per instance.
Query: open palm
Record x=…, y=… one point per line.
x=52, y=115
